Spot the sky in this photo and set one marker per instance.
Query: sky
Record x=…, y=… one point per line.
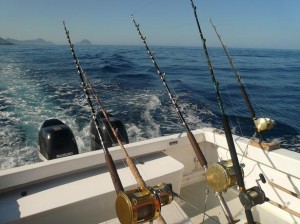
x=245, y=24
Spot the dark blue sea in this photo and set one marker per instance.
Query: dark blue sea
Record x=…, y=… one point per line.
x=41, y=82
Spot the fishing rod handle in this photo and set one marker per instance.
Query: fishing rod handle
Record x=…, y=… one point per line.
x=197, y=149
x=113, y=173
x=135, y=172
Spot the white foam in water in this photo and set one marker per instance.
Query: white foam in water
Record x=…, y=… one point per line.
x=13, y=152
x=148, y=126
x=193, y=115
x=154, y=128
x=82, y=138
x=32, y=91
x=295, y=142
x=31, y=106
x=134, y=133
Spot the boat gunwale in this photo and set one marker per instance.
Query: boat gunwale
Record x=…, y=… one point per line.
x=18, y=177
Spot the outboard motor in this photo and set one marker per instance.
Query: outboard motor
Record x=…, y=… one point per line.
x=56, y=140
x=108, y=136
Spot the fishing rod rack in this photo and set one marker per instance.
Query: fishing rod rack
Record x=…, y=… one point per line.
x=248, y=197
x=139, y=205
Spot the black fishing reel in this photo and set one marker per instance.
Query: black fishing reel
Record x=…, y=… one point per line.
x=253, y=196
x=142, y=204
x=220, y=176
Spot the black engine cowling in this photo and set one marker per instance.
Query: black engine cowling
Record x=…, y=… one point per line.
x=108, y=136
x=56, y=140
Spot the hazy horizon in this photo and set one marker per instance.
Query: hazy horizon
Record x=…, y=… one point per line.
x=256, y=24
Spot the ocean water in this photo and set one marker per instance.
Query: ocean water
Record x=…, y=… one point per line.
x=41, y=82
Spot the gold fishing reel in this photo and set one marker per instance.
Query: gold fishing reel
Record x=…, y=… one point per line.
x=142, y=204
x=220, y=176
x=264, y=124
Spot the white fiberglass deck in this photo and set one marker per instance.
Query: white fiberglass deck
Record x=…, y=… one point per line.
x=85, y=197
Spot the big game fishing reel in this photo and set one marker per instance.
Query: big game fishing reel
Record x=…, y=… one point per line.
x=264, y=124
x=142, y=204
x=220, y=176
x=254, y=195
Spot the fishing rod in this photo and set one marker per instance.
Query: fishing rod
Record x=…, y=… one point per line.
x=108, y=159
x=254, y=195
x=261, y=124
x=135, y=202
x=212, y=182
x=162, y=75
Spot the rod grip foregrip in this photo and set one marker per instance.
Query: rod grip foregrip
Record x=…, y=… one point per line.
x=135, y=172
x=197, y=149
x=113, y=173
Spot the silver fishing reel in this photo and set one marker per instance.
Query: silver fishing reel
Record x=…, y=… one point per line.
x=263, y=124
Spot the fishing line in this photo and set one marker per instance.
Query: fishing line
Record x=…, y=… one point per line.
x=232, y=106
x=260, y=124
x=252, y=98
x=142, y=8
x=189, y=203
x=183, y=200
x=229, y=103
x=205, y=203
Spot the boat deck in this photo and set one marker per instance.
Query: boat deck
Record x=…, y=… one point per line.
x=191, y=207
x=198, y=201
x=195, y=200
x=78, y=189
x=200, y=205
x=85, y=197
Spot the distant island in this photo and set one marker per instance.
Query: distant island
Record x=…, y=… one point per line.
x=38, y=41
x=84, y=42
x=5, y=42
